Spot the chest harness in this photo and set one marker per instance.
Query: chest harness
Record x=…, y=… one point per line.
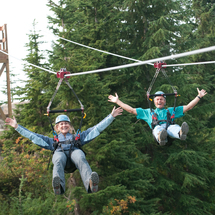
x=168, y=121
x=75, y=141
x=160, y=65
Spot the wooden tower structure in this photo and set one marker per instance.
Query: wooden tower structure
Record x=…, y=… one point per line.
x=4, y=64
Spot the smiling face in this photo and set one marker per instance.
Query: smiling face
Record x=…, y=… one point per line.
x=159, y=102
x=63, y=127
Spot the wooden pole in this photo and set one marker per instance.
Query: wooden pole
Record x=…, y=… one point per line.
x=2, y=115
x=8, y=76
x=2, y=68
x=8, y=90
x=5, y=60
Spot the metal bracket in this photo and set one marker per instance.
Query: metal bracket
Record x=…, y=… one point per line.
x=159, y=65
x=62, y=73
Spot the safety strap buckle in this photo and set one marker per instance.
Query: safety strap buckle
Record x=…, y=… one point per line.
x=173, y=115
x=56, y=138
x=154, y=117
x=77, y=137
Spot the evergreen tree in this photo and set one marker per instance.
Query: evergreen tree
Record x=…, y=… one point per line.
x=38, y=88
x=137, y=176
x=12, y=87
x=140, y=30
x=21, y=157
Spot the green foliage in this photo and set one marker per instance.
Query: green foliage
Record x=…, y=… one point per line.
x=36, y=92
x=137, y=176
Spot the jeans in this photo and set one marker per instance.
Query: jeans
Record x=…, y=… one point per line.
x=60, y=161
x=172, y=130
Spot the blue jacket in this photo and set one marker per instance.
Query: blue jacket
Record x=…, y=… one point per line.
x=85, y=136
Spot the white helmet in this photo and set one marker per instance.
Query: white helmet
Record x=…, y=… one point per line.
x=160, y=93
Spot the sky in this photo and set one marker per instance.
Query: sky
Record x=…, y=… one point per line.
x=19, y=16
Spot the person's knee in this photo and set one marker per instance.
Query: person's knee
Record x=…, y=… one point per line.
x=156, y=130
x=79, y=159
x=59, y=159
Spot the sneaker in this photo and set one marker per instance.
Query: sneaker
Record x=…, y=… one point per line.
x=56, y=185
x=162, y=137
x=94, y=181
x=184, y=130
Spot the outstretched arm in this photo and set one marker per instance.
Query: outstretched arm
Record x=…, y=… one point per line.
x=116, y=112
x=115, y=99
x=194, y=101
x=11, y=122
x=93, y=132
x=38, y=139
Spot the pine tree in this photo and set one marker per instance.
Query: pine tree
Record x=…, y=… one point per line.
x=138, y=30
x=38, y=88
x=137, y=176
x=21, y=157
x=12, y=87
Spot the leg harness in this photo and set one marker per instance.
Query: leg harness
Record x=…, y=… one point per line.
x=74, y=142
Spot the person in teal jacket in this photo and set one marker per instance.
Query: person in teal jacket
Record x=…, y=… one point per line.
x=62, y=156
x=161, y=131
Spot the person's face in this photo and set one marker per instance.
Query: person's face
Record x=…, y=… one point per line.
x=159, y=101
x=63, y=127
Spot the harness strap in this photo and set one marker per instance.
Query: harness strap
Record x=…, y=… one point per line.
x=53, y=131
x=74, y=93
x=166, y=76
x=56, y=140
x=57, y=88
x=153, y=81
x=169, y=120
x=74, y=142
x=160, y=65
x=82, y=117
x=61, y=75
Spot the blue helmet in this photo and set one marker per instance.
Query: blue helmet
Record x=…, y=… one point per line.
x=160, y=92
x=62, y=118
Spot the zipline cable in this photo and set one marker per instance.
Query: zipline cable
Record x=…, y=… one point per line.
x=116, y=55
x=187, y=64
x=198, y=51
x=28, y=63
x=212, y=48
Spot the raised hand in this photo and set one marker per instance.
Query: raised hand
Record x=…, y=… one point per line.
x=201, y=93
x=115, y=112
x=11, y=122
x=113, y=99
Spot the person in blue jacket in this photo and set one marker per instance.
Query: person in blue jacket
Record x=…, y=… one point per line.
x=160, y=131
x=62, y=156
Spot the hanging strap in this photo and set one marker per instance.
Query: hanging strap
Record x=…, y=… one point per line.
x=61, y=74
x=74, y=93
x=53, y=131
x=56, y=140
x=153, y=81
x=166, y=76
x=57, y=88
x=160, y=65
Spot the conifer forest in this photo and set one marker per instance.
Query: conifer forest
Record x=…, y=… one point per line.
x=136, y=175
